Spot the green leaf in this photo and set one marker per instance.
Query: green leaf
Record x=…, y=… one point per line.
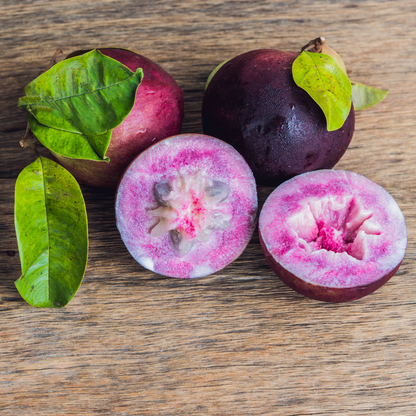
x=75, y=104
x=71, y=144
x=322, y=78
x=52, y=234
x=364, y=96
x=211, y=75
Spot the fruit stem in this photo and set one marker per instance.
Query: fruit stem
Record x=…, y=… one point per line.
x=52, y=62
x=29, y=140
x=317, y=44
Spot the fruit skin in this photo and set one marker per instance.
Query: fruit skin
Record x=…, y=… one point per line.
x=340, y=277
x=157, y=113
x=253, y=103
x=322, y=293
x=187, y=155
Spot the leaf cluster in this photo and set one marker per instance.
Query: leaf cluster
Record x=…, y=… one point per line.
x=327, y=83
x=73, y=108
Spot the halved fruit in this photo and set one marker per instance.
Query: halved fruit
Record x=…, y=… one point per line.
x=186, y=207
x=332, y=235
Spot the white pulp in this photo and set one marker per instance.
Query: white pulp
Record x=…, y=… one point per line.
x=334, y=224
x=189, y=209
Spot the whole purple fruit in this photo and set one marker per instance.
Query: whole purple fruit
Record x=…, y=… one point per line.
x=253, y=103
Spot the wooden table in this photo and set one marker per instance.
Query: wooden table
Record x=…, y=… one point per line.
x=238, y=342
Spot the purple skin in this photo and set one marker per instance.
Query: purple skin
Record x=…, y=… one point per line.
x=186, y=207
x=333, y=236
x=253, y=103
x=324, y=293
x=157, y=113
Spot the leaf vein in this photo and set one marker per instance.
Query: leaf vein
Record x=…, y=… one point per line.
x=86, y=92
x=35, y=261
x=47, y=228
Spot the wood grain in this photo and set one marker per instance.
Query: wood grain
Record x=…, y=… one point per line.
x=238, y=342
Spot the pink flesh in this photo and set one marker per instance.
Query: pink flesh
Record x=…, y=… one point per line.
x=187, y=155
x=333, y=228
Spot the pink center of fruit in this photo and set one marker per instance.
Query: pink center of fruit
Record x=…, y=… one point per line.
x=334, y=224
x=189, y=209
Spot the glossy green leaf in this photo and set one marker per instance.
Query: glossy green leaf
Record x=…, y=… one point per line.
x=71, y=145
x=322, y=78
x=75, y=104
x=52, y=234
x=364, y=96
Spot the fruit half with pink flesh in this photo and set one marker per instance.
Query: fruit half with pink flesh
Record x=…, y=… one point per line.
x=253, y=103
x=332, y=235
x=157, y=114
x=186, y=207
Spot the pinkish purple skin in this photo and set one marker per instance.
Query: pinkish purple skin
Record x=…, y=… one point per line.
x=332, y=235
x=186, y=154
x=157, y=113
x=320, y=292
